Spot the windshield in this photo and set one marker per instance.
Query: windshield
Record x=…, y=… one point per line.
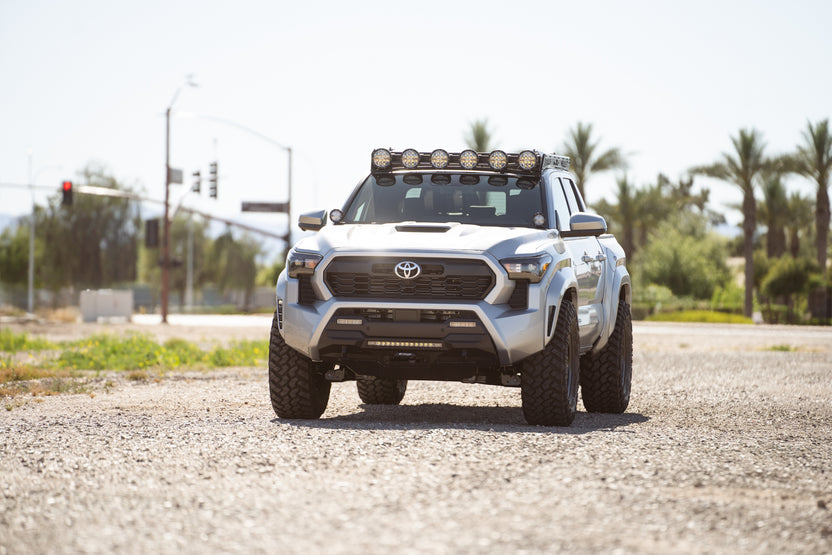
x=472, y=199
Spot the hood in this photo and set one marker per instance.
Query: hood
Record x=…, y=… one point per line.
x=499, y=241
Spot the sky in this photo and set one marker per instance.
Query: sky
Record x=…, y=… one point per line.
x=88, y=82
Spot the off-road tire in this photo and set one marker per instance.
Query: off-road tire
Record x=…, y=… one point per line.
x=549, y=379
x=297, y=386
x=606, y=376
x=381, y=391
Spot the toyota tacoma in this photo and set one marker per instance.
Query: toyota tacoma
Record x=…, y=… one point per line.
x=483, y=268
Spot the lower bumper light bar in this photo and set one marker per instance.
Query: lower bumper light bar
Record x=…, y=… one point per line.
x=412, y=344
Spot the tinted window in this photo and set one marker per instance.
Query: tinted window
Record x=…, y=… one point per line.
x=572, y=196
x=465, y=198
x=559, y=204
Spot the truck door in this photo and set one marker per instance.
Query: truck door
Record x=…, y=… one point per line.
x=589, y=260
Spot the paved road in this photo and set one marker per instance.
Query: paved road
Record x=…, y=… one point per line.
x=725, y=449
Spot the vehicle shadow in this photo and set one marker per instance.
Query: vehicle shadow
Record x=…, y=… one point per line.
x=445, y=416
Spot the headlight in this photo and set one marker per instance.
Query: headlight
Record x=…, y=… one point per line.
x=531, y=268
x=301, y=263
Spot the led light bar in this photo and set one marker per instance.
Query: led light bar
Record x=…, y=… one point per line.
x=411, y=344
x=527, y=162
x=462, y=324
x=349, y=321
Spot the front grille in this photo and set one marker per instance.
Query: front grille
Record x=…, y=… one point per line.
x=440, y=279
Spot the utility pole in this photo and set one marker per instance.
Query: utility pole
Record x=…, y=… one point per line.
x=166, y=221
x=30, y=297
x=166, y=225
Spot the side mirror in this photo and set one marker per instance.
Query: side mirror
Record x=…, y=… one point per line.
x=583, y=224
x=312, y=221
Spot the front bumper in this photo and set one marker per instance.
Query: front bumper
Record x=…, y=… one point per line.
x=509, y=335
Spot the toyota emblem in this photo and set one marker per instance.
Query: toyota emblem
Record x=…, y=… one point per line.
x=408, y=270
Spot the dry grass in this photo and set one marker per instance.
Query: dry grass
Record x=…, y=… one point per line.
x=67, y=315
x=25, y=379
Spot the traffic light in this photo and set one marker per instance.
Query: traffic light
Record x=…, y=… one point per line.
x=197, y=186
x=212, y=180
x=66, y=187
x=151, y=233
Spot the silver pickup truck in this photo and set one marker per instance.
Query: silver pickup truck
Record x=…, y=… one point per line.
x=483, y=268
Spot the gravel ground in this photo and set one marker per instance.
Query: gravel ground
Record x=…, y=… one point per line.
x=725, y=449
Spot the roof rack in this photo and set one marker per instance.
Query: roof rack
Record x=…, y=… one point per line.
x=526, y=162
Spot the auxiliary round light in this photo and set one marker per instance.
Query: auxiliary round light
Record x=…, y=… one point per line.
x=410, y=158
x=468, y=159
x=527, y=160
x=498, y=160
x=336, y=216
x=539, y=219
x=382, y=158
x=439, y=158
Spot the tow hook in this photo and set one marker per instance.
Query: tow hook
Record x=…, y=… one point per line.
x=510, y=379
x=334, y=375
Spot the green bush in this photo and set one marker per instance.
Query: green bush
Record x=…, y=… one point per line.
x=139, y=352
x=12, y=342
x=690, y=262
x=791, y=276
x=728, y=298
x=705, y=316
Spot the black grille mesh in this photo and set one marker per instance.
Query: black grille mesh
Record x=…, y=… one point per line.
x=365, y=277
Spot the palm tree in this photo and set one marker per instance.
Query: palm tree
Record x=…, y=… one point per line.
x=743, y=169
x=800, y=211
x=581, y=150
x=479, y=136
x=774, y=213
x=624, y=213
x=814, y=160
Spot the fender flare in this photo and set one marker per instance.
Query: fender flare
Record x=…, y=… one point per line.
x=564, y=285
x=619, y=285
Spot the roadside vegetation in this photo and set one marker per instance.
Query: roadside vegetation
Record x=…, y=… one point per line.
x=704, y=316
x=41, y=367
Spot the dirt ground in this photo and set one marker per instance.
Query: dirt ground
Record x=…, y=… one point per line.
x=725, y=448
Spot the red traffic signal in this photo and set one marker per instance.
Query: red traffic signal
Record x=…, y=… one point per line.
x=67, y=190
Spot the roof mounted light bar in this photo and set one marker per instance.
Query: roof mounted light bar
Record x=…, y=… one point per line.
x=527, y=162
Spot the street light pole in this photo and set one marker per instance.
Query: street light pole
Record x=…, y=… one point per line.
x=30, y=297
x=166, y=227
x=289, y=203
x=250, y=131
x=166, y=224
